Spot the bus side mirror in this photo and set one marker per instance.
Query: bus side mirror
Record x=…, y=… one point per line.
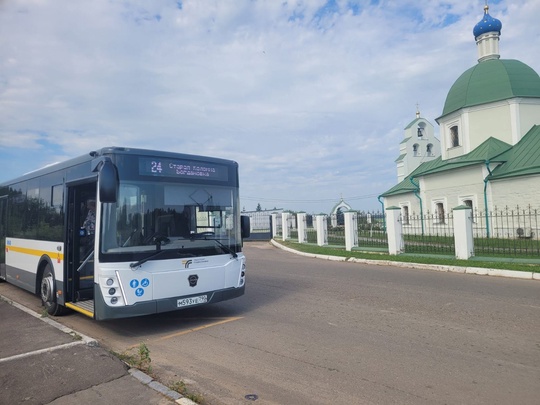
x=245, y=226
x=107, y=180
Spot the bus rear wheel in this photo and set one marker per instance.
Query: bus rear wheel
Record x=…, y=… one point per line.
x=48, y=293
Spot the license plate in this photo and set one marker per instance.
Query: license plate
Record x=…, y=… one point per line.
x=186, y=302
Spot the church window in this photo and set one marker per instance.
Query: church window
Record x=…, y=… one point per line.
x=405, y=215
x=415, y=149
x=429, y=149
x=454, y=136
x=469, y=203
x=439, y=213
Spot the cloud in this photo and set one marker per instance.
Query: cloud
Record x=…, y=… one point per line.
x=310, y=97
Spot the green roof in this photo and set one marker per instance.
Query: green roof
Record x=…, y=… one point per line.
x=492, y=80
x=400, y=157
x=406, y=186
x=405, y=140
x=403, y=187
x=491, y=149
x=487, y=150
x=523, y=159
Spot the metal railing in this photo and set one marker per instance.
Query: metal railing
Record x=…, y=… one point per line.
x=429, y=233
x=501, y=232
x=507, y=232
x=504, y=233
x=336, y=233
x=372, y=230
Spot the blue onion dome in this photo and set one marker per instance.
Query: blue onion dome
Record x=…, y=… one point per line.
x=487, y=24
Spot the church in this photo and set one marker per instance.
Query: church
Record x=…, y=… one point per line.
x=489, y=139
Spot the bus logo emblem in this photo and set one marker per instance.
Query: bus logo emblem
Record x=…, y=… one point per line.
x=193, y=280
x=186, y=263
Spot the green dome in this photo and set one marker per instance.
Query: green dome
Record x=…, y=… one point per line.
x=492, y=80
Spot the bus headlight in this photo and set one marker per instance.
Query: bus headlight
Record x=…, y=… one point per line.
x=114, y=300
x=110, y=282
x=112, y=291
x=243, y=275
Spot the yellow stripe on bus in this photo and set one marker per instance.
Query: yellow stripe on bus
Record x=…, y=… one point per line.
x=35, y=252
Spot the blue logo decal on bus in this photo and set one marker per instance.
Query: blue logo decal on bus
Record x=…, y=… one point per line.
x=134, y=283
x=139, y=292
x=145, y=282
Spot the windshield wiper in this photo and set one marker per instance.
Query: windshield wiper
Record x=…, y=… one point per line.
x=226, y=248
x=204, y=235
x=157, y=253
x=150, y=256
x=158, y=239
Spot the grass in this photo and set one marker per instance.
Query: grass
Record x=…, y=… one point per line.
x=509, y=264
x=181, y=388
x=76, y=336
x=140, y=359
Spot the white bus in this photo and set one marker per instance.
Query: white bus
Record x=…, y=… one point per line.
x=125, y=232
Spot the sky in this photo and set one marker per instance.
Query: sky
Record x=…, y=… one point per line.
x=310, y=97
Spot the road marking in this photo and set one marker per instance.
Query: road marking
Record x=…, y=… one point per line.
x=185, y=332
x=47, y=350
x=84, y=340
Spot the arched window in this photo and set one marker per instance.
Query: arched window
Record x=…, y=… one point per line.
x=440, y=213
x=415, y=149
x=469, y=203
x=429, y=149
x=454, y=136
x=405, y=215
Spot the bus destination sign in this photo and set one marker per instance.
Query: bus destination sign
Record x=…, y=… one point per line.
x=182, y=169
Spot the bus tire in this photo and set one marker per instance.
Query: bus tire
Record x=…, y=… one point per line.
x=48, y=293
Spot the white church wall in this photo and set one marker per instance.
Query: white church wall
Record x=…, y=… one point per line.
x=414, y=149
x=529, y=115
x=453, y=186
x=401, y=171
x=401, y=200
x=505, y=196
x=492, y=120
x=517, y=191
x=449, y=151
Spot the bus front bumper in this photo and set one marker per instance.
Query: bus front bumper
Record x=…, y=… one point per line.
x=103, y=311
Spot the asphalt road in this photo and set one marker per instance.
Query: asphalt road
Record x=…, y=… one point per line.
x=310, y=331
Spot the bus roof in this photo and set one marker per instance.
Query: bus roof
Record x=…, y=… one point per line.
x=107, y=151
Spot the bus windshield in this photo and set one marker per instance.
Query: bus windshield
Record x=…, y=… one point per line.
x=188, y=219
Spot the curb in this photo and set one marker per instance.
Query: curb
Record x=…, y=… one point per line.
x=162, y=389
x=86, y=340
x=480, y=271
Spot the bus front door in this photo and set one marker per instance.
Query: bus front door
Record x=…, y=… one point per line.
x=80, y=247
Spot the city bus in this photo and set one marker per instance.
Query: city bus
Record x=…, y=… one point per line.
x=124, y=232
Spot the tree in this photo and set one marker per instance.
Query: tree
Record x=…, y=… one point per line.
x=259, y=207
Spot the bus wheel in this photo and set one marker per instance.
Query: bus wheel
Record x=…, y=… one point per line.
x=48, y=293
